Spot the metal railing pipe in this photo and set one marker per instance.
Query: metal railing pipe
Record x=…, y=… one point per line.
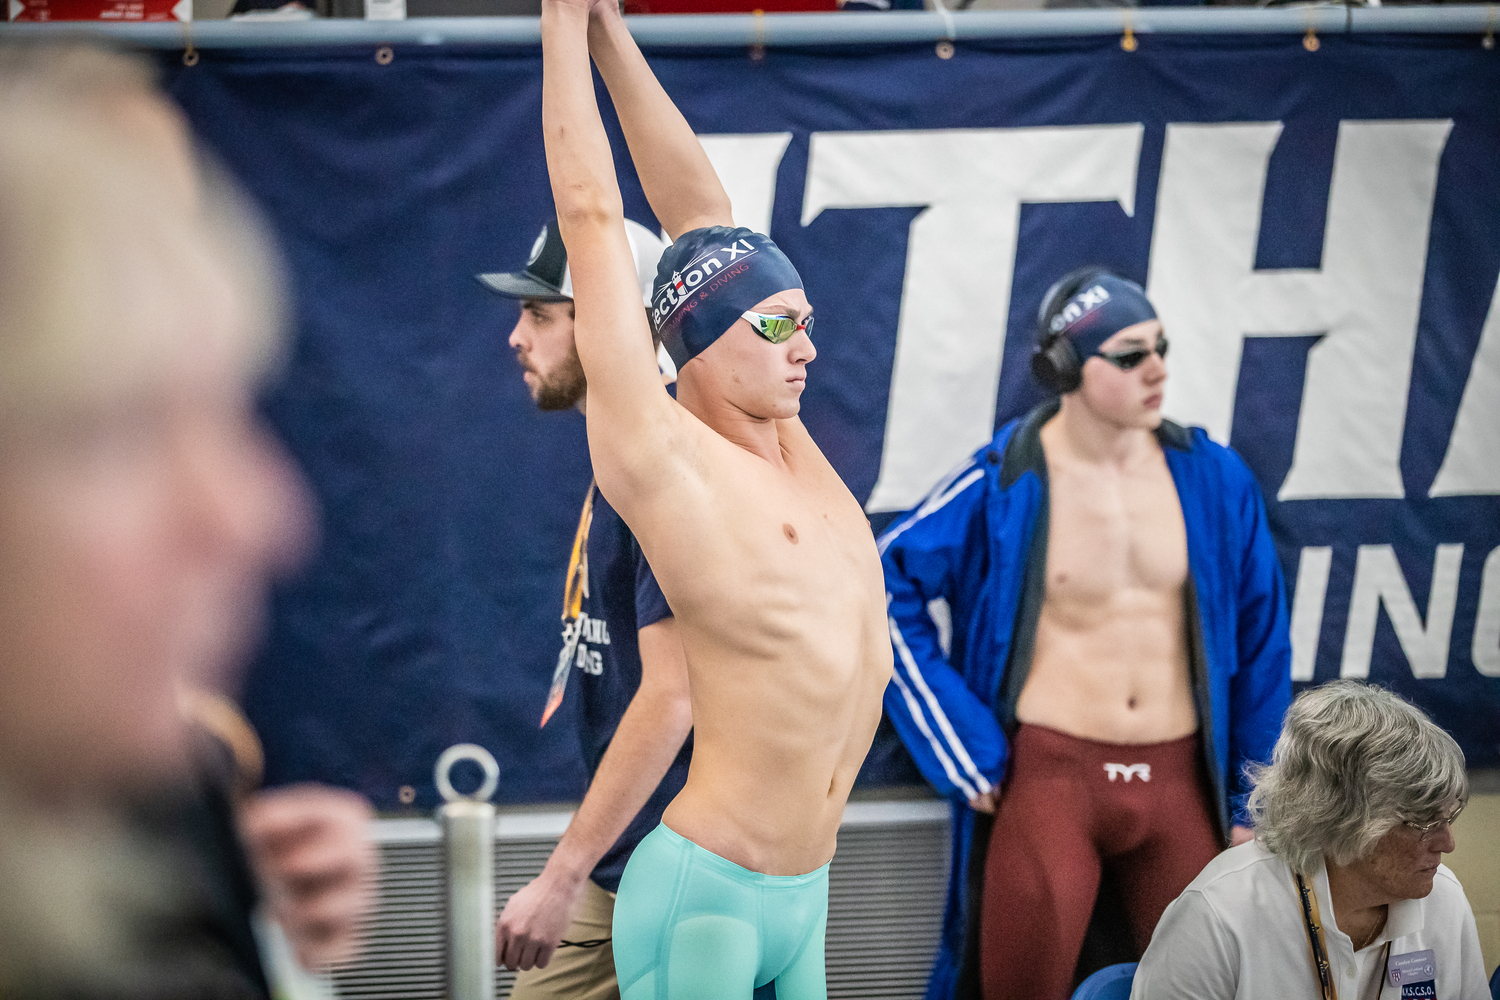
x=775, y=30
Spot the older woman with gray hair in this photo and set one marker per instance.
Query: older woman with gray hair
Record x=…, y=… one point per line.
x=1342, y=891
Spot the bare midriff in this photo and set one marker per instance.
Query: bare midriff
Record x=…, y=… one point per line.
x=1110, y=661
x=780, y=605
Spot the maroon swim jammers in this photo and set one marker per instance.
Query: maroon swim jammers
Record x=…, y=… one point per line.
x=1070, y=807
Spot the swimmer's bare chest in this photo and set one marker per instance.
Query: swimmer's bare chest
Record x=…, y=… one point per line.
x=771, y=563
x=781, y=610
x=1110, y=660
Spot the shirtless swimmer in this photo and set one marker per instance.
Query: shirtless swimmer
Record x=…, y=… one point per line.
x=765, y=557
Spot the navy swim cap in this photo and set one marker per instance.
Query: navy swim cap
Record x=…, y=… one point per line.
x=706, y=279
x=1102, y=307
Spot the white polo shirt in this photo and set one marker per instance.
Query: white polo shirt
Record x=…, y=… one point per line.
x=1238, y=931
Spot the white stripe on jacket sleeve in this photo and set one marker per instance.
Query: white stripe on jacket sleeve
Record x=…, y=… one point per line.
x=950, y=742
x=935, y=502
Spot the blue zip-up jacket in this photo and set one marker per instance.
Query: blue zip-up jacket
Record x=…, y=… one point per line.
x=978, y=543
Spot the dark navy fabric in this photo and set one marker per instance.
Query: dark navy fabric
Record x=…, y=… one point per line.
x=970, y=544
x=622, y=599
x=429, y=613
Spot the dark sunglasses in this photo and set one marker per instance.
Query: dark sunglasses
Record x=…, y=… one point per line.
x=1126, y=360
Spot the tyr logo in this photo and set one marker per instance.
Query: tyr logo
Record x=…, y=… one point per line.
x=1142, y=771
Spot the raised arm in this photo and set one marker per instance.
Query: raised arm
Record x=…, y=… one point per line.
x=627, y=404
x=679, y=182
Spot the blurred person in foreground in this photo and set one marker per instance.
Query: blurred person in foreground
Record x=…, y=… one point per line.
x=1341, y=893
x=142, y=511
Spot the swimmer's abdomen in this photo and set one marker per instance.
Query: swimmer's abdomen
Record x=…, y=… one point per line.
x=777, y=589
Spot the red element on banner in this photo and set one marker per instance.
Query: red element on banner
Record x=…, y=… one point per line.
x=100, y=10
x=726, y=6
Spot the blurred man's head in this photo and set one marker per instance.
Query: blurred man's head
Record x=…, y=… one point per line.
x=142, y=506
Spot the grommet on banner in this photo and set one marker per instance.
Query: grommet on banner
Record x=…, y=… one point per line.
x=1488, y=41
x=1310, y=40
x=189, y=54
x=944, y=47
x=758, y=47
x=1127, y=40
x=384, y=55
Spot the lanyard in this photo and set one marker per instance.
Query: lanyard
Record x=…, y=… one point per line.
x=574, y=591
x=1313, y=924
x=577, y=586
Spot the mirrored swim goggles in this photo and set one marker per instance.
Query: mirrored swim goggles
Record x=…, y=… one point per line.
x=779, y=329
x=1132, y=358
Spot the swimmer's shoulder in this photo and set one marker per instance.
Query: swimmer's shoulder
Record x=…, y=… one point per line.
x=1208, y=456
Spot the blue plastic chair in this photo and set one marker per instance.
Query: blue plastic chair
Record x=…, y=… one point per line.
x=1110, y=983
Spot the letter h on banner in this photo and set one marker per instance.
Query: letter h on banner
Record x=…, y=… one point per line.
x=1365, y=298
x=960, y=256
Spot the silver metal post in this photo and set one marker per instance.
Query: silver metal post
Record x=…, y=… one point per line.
x=468, y=823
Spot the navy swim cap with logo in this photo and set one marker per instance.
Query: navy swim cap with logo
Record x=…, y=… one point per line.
x=707, y=278
x=1102, y=307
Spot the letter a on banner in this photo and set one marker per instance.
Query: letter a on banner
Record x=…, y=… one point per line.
x=1472, y=464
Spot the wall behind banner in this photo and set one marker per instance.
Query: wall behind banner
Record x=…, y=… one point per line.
x=1316, y=228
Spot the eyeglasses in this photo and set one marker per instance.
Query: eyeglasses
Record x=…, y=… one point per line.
x=1427, y=829
x=777, y=329
x=1128, y=359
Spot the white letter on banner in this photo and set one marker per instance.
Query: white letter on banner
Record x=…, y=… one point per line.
x=747, y=166
x=1307, y=608
x=1365, y=298
x=960, y=258
x=1487, y=620
x=1377, y=580
x=1472, y=464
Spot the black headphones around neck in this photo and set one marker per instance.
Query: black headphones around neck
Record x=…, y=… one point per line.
x=1054, y=361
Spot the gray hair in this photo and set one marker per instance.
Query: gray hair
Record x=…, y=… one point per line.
x=1353, y=760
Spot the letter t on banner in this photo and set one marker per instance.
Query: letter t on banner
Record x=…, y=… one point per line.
x=960, y=257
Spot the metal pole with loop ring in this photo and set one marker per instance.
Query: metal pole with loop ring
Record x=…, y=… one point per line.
x=468, y=823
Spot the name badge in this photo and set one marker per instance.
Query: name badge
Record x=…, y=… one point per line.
x=1414, y=973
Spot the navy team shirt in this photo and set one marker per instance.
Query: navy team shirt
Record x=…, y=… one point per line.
x=623, y=597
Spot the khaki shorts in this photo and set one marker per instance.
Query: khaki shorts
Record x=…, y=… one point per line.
x=578, y=973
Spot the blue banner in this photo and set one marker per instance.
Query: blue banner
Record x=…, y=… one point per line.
x=1316, y=228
